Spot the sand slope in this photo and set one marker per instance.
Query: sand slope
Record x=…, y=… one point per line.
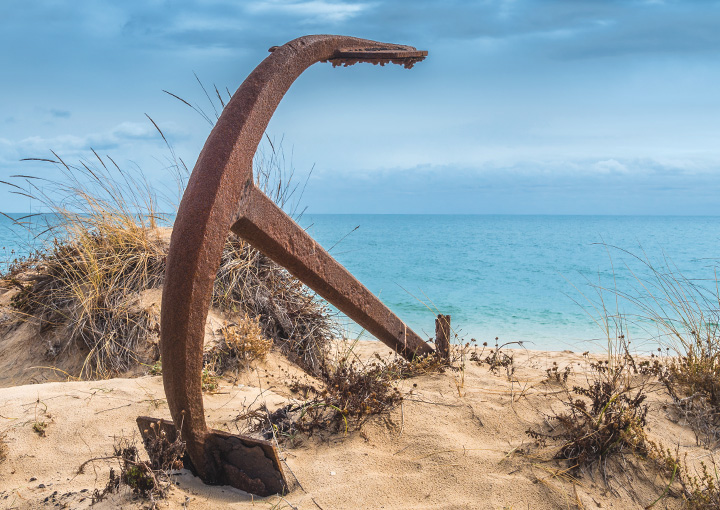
x=453, y=444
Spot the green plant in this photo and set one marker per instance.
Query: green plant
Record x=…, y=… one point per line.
x=40, y=426
x=209, y=380
x=155, y=368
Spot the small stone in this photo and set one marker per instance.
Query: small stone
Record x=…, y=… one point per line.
x=32, y=479
x=41, y=486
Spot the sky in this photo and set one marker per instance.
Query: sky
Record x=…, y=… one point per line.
x=522, y=107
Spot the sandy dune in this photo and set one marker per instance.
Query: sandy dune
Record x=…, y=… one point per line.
x=457, y=441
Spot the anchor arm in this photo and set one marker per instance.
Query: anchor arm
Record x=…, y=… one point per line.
x=264, y=225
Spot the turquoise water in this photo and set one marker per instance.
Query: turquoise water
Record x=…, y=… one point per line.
x=519, y=278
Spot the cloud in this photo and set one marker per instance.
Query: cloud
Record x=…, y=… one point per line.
x=60, y=114
x=558, y=28
x=595, y=28
x=610, y=166
x=644, y=186
x=315, y=10
x=73, y=146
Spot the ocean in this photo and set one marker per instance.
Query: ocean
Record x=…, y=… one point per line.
x=538, y=280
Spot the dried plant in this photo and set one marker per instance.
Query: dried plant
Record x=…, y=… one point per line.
x=497, y=358
x=290, y=314
x=148, y=479
x=242, y=343
x=103, y=246
x=683, y=316
x=603, y=418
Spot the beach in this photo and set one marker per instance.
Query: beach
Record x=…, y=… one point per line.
x=484, y=430
x=457, y=441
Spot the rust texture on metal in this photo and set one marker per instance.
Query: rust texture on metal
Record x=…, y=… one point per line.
x=246, y=463
x=220, y=197
x=442, y=336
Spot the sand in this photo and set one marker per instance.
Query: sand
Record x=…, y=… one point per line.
x=457, y=441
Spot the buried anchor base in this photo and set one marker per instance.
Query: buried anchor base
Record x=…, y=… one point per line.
x=243, y=462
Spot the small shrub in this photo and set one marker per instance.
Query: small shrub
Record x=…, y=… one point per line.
x=686, y=315
x=603, y=418
x=693, y=382
x=496, y=358
x=146, y=479
x=351, y=393
x=702, y=491
x=246, y=341
x=242, y=343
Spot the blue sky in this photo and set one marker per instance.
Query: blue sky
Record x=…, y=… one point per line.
x=550, y=107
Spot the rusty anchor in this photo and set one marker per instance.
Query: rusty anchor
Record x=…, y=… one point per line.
x=221, y=196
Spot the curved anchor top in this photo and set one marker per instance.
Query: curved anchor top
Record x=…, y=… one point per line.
x=221, y=196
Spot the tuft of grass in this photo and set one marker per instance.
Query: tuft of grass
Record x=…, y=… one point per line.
x=683, y=316
x=101, y=247
x=104, y=246
x=89, y=288
x=250, y=284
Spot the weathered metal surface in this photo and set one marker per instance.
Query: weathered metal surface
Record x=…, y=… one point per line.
x=264, y=225
x=442, y=336
x=221, y=196
x=247, y=463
